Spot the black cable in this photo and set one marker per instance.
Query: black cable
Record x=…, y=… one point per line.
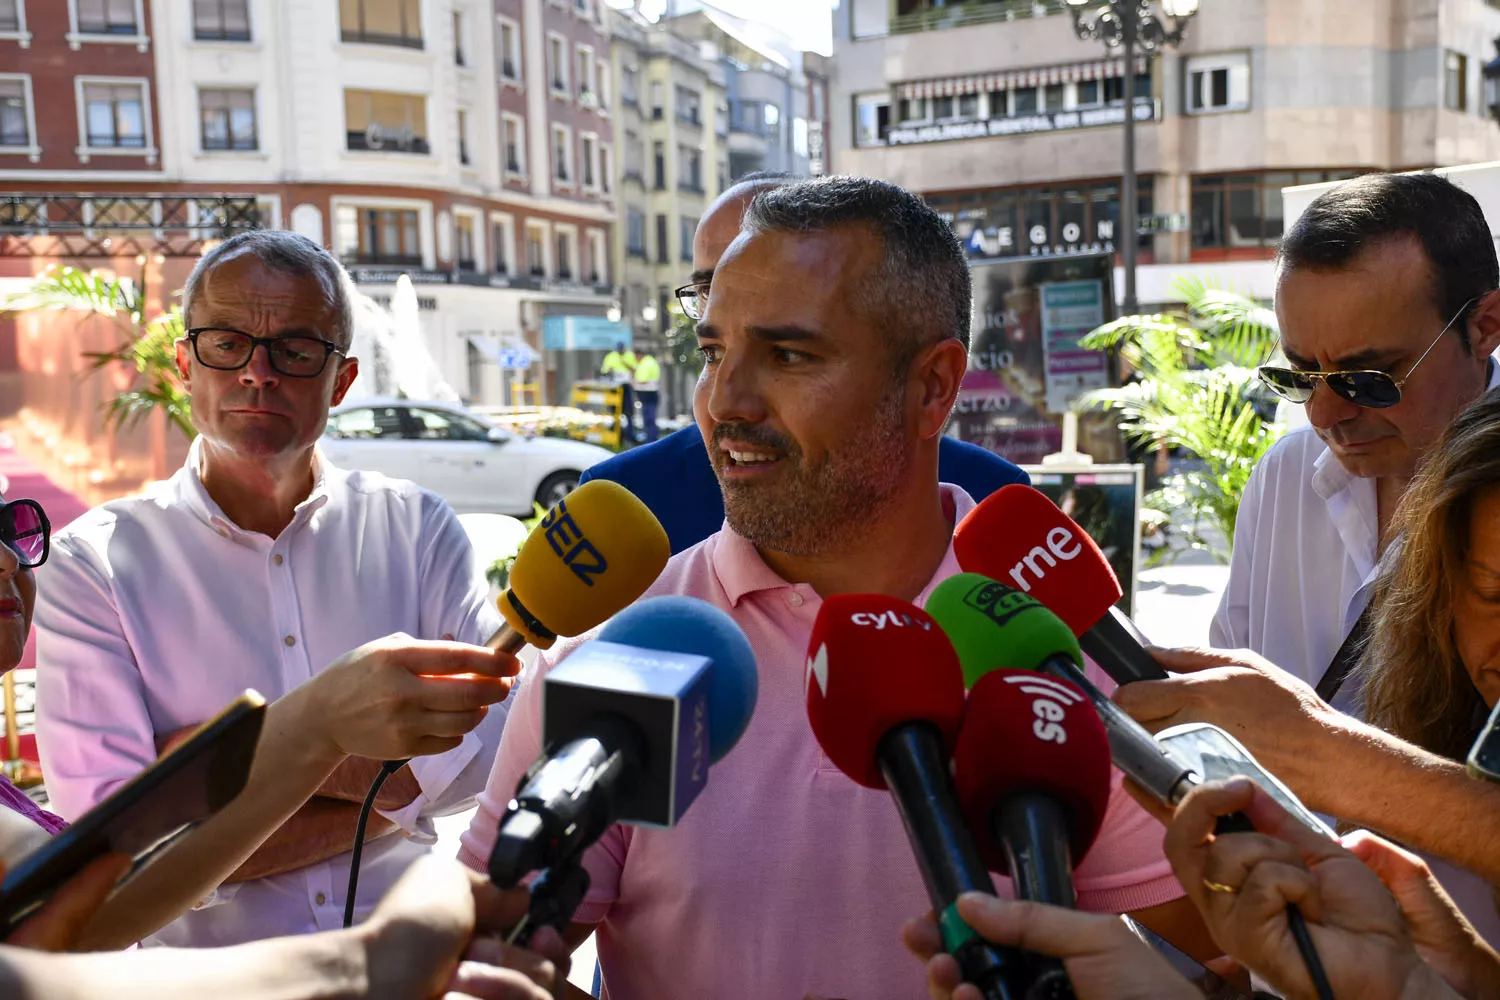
x=387, y=769
x=1315, y=970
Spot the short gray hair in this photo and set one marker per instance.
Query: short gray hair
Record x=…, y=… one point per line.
x=285, y=253
x=922, y=294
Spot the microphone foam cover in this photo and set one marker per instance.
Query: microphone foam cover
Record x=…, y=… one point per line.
x=873, y=663
x=993, y=626
x=593, y=553
x=688, y=625
x=1027, y=732
x=1020, y=538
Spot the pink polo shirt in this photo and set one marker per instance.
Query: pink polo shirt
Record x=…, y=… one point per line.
x=785, y=878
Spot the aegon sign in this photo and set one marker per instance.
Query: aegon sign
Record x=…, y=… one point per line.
x=1052, y=121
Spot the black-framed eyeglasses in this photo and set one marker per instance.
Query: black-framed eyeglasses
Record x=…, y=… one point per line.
x=25, y=530
x=693, y=297
x=1372, y=389
x=231, y=350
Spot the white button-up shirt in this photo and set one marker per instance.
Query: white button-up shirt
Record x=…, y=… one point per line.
x=155, y=611
x=1303, y=569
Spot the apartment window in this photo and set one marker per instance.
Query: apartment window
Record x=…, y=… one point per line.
x=1114, y=88
x=588, y=92
x=659, y=153
x=630, y=81
x=563, y=242
x=689, y=106
x=723, y=177
x=115, y=115
x=10, y=15
x=968, y=106
x=228, y=119
x=562, y=154
x=661, y=240
x=463, y=231
x=15, y=113
x=581, y=7
x=603, y=83
x=1236, y=211
x=912, y=109
x=1455, y=81
x=458, y=39
x=588, y=153
x=1054, y=97
x=1024, y=101
x=381, y=22
x=510, y=51
x=635, y=233
x=690, y=169
x=557, y=64
x=1089, y=94
x=515, y=144
x=606, y=168
x=635, y=155
x=221, y=20
x=598, y=273
x=687, y=227
x=536, y=249
x=386, y=122
x=1218, y=83
x=942, y=107
x=463, y=137
x=503, y=235
x=656, y=108
x=388, y=236
x=721, y=119
x=872, y=119
x=108, y=17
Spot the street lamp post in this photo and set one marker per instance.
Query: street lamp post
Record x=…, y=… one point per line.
x=1131, y=25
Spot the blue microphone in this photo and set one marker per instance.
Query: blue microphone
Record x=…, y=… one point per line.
x=630, y=722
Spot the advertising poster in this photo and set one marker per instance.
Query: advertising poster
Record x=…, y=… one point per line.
x=1023, y=361
x=1106, y=503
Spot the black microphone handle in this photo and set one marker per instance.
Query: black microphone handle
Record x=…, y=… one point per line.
x=1118, y=647
x=1033, y=829
x=915, y=768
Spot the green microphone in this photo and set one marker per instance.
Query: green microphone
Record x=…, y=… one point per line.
x=993, y=626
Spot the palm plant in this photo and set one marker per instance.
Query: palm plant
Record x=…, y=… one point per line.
x=149, y=344
x=1196, y=391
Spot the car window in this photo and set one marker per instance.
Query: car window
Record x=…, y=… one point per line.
x=365, y=424
x=442, y=425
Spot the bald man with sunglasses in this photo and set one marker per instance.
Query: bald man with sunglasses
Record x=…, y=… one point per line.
x=1388, y=312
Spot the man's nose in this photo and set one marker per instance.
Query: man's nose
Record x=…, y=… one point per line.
x=734, y=394
x=1327, y=408
x=258, y=370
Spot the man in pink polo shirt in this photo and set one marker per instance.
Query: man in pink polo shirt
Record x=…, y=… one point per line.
x=834, y=341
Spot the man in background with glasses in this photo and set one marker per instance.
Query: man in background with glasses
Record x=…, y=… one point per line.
x=1389, y=314
x=256, y=566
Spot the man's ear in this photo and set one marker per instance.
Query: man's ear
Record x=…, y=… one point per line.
x=184, y=370
x=348, y=372
x=1484, y=326
x=938, y=372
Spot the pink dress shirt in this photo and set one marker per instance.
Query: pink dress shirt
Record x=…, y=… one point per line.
x=785, y=878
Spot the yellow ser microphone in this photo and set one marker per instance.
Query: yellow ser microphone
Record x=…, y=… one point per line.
x=593, y=553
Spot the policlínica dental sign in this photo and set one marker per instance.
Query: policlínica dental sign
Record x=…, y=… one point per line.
x=1051, y=121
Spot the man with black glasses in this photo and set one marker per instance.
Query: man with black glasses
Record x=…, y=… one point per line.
x=1389, y=313
x=255, y=566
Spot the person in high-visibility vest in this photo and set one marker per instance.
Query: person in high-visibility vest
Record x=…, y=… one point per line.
x=619, y=367
x=648, y=390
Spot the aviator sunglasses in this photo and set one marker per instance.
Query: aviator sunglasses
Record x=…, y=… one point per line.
x=1372, y=389
x=25, y=531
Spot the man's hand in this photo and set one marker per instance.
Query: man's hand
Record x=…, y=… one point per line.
x=1244, y=882
x=1281, y=720
x=1442, y=935
x=401, y=697
x=1102, y=957
x=60, y=921
x=437, y=933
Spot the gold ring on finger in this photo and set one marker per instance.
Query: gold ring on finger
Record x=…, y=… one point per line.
x=1213, y=886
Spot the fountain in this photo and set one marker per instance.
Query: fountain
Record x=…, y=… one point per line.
x=394, y=359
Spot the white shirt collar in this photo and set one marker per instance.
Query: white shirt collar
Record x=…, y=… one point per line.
x=188, y=486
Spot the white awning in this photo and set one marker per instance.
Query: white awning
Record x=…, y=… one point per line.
x=1037, y=76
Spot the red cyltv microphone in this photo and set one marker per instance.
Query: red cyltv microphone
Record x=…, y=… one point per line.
x=885, y=697
x=1020, y=538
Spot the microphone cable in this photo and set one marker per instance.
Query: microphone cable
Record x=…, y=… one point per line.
x=387, y=769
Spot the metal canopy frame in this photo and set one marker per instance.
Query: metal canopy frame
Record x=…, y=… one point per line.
x=120, y=225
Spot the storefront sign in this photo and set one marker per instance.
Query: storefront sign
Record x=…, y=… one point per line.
x=1070, y=309
x=583, y=333
x=1039, y=241
x=1051, y=121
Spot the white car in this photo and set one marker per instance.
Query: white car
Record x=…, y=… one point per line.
x=473, y=464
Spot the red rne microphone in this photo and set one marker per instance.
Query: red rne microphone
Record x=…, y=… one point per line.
x=885, y=697
x=1019, y=537
x=1032, y=770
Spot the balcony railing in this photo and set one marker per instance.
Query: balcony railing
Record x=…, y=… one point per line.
x=391, y=140
x=383, y=259
x=378, y=38
x=974, y=12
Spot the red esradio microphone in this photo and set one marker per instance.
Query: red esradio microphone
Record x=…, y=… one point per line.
x=1032, y=770
x=1019, y=537
x=885, y=697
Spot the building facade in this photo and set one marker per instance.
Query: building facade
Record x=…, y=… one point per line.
x=467, y=143
x=1011, y=127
